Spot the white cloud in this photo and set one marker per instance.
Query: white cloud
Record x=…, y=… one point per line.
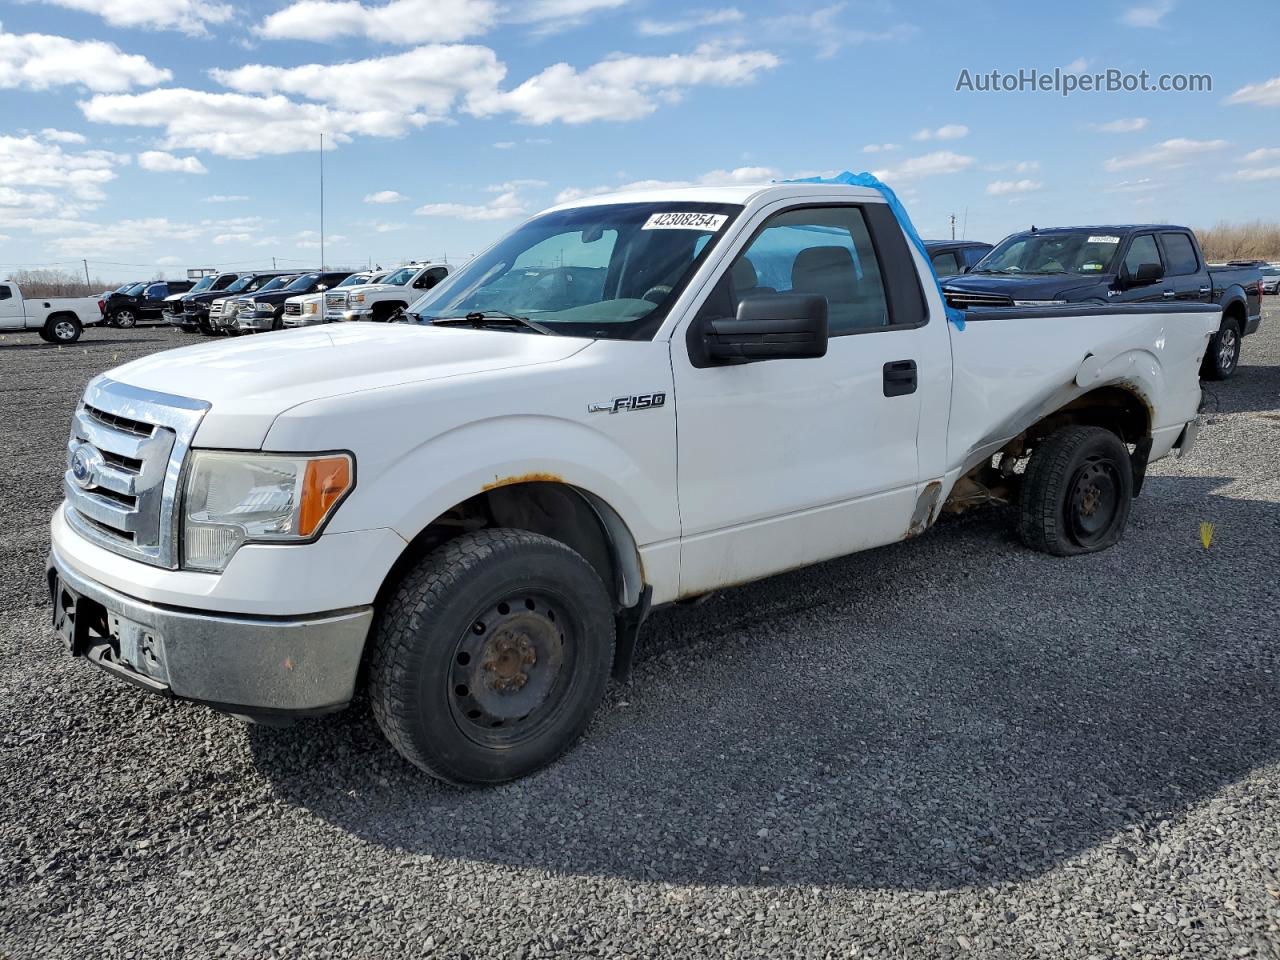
x=502, y=207
x=400, y=21
x=696, y=19
x=1123, y=125
x=821, y=28
x=1257, y=173
x=189, y=16
x=1078, y=65
x=231, y=124
x=61, y=136
x=37, y=61
x=157, y=161
x=622, y=87
x=504, y=144
x=880, y=147
x=311, y=239
x=382, y=226
x=1147, y=15
x=928, y=165
x=223, y=239
x=1141, y=185
x=1021, y=166
x=1260, y=94
x=1000, y=187
x=225, y=198
x=101, y=239
x=948, y=131
x=1169, y=153
x=385, y=196
x=414, y=87
x=27, y=162
x=1262, y=155
x=168, y=261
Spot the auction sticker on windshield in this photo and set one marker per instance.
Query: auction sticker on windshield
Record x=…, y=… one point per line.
x=1104, y=239
x=688, y=220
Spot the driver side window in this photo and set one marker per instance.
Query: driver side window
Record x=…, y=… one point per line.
x=812, y=250
x=1142, y=250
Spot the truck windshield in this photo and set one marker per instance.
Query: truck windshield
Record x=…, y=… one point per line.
x=303, y=282
x=204, y=284
x=400, y=277
x=608, y=271
x=136, y=289
x=1082, y=251
x=356, y=279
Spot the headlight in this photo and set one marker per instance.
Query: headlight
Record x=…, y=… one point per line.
x=1038, y=303
x=357, y=298
x=265, y=307
x=313, y=308
x=236, y=498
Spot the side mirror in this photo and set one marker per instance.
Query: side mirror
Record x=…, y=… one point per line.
x=1147, y=274
x=321, y=287
x=770, y=326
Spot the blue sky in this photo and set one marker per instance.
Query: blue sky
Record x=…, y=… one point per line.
x=156, y=135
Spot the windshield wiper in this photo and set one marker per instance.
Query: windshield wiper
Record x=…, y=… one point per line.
x=485, y=318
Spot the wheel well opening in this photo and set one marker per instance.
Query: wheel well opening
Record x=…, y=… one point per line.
x=1123, y=412
x=554, y=509
x=1235, y=311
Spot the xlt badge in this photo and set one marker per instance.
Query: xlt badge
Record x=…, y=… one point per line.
x=640, y=401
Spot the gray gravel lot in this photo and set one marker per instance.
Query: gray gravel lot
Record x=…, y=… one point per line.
x=945, y=747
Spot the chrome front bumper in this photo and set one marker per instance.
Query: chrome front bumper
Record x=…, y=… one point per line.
x=239, y=664
x=254, y=324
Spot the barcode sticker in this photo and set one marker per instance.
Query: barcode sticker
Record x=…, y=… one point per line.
x=685, y=220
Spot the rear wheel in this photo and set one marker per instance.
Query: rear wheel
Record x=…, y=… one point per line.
x=125, y=318
x=1076, y=493
x=490, y=658
x=1223, y=355
x=61, y=328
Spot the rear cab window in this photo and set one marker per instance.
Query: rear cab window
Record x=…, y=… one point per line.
x=1180, y=253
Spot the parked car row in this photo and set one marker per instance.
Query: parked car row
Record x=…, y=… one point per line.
x=143, y=300
x=256, y=301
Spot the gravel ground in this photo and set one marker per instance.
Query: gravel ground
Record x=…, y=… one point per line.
x=945, y=747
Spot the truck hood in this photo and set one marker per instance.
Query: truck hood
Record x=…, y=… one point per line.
x=1058, y=286
x=374, y=288
x=250, y=381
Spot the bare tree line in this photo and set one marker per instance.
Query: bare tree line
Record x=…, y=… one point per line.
x=59, y=283
x=1241, y=241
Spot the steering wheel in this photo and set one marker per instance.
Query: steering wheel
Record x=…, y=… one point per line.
x=655, y=294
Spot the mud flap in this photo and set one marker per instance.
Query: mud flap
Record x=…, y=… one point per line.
x=627, y=623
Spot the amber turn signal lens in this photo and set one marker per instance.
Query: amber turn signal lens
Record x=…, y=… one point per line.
x=323, y=486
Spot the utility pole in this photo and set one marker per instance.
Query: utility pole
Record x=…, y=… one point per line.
x=953, y=226
x=322, y=201
x=86, y=272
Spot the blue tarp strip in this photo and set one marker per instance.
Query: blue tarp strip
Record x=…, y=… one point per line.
x=899, y=211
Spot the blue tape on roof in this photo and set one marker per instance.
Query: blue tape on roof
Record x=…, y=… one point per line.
x=899, y=211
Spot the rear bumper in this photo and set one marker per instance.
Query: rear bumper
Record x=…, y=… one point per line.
x=240, y=664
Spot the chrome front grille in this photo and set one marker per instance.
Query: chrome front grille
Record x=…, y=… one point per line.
x=964, y=298
x=335, y=303
x=293, y=309
x=191, y=306
x=124, y=463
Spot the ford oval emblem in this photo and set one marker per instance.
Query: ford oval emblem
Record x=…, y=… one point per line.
x=84, y=464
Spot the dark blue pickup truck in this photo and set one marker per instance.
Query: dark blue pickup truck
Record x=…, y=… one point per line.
x=1133, y=263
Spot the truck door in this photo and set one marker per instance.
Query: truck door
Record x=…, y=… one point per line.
x=787, y=462
x=1185, y=279
x=1142, y=249
x=11, y=313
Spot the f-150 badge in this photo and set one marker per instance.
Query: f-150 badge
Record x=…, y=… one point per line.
x=642, y=401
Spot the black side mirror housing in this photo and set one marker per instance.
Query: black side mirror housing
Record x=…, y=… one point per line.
x=769, y=326
x=1147, y=274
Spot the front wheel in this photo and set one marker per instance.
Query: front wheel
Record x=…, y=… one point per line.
x=1223, y=355
x=491, y=656
x=125, y=318
x=1076, y=492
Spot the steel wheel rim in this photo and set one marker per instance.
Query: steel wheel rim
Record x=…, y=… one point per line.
x=511, y=672
x=64, y=330
x=1227, y=349
x=1094, y=501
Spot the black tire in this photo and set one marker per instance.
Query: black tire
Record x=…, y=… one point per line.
x=124, y=318
x=61, y=328
x=277, y=322
x=457, y=649
x=385, y=312
x=1076, y=492
x=1223, y=356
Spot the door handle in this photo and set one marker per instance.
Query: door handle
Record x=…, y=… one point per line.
x=899, y=378
x=1168, y=294
x=1204, y=291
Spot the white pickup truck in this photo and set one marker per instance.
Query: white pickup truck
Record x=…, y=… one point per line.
x=386, y=298
x=472, y=514
x=58, y=319
x=308, y=310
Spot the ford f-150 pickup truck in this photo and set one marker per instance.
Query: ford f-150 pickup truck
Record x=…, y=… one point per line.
x=1142, y=263
x=471, y=514
x=58, y=319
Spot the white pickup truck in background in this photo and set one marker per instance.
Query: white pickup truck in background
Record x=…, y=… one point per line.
x=308, y=309
x=58, y=319
x=473, y=513
x=388, y=297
